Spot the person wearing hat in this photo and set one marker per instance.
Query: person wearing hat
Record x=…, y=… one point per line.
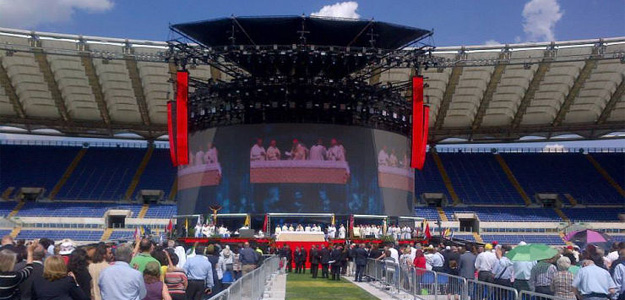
x=67, y=247
x=485, y=263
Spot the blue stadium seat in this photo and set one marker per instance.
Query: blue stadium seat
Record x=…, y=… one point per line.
x=515, y=238
x=161, y=211
x=429, y=180
x=510, y=214
x=159, y=173
x=77, y=235
x=6, y=207
x=614, y=164
x=595, y=214
x=73, y=209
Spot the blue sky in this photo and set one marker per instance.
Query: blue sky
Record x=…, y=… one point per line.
x=454, y=22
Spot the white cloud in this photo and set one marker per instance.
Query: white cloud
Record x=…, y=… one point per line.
x=492, y=42
x=28, y=14
x=540, y=18
x=339, y=10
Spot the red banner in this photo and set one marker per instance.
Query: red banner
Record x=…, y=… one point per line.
x=424, y=140
x=182, y=131
x=417, y=120
x=171, y=132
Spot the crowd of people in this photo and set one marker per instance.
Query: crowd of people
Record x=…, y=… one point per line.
x=42, y=270
x=298, y=151
x=390, y=159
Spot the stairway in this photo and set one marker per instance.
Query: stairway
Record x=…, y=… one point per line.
x=173, y=190
x=572, y=200
x=7, y=193
x=605, y=174
x=561, y=214
x=477, y=237
x=15, y=231
x=135, y=179
x=506, y=169
x=17, y=208
x=144, y=210
x=441, y=214
x=68, y=172
x=106, y=234
x=446, y=180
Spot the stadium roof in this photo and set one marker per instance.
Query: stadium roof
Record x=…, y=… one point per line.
x=94, y=86
x=290, y=30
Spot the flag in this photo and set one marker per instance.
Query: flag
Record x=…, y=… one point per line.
x=266, y=223
x=384, y=226
x=446, y=232
x=137, y=233
x=247, y=221
x=333, y=221
x=146, y=230
x=428, y=234
x=142, y=230
x=170, y=226
x=199, y=219
x=186, y=225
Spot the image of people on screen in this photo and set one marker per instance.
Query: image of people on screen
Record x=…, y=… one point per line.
x=298, y=151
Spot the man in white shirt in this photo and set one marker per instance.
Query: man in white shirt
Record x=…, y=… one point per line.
x=331, y=232
x=383, y=157
x=485, y=264
x=258, y=151
x=342, y=232
x=210, y=156
x=307, y=228
x=318, y=151
x=336, y=152
x=273, y=153
x=199, y=158
x=198, y=230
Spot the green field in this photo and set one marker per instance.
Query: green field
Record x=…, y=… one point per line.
x=302, y=286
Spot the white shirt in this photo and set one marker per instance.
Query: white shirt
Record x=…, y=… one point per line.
x=382, y=158
x=342, y=232
x=336, y=153
x=273, y=153
x=486, y=261
x=257, y=153
x=199, y=158
x=394, y=253
x=317, y=152
x=210, y=157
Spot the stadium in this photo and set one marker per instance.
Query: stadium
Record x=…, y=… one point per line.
x=115, y=93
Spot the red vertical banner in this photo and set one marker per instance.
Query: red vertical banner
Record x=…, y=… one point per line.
x=182, y=116
x=424, y=140
x=171, y=111
x=417, y=119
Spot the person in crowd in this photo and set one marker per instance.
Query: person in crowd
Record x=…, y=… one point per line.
x=120, y=281
x=273, y=153
x=485, y=263
x=466, y=263
x=175, y=278
x=452, y=257
x=180, y=252
x=419, y=261
x=335, y=262
x=257, y=152
x=10, y=279
x=26, y=286
x=287, y=253
x=342, y=232
x=143, y=257
x=337, y=151
x=226, y=261
x=66, y=249
x=159, y=254
x=325, y=261
x=522, y=273
x=620, y=259
x=249, y=258
x=595, y=254
x=435, y=259
x=541, y=276
x=593, y=282
x=7, y=243
x=383, y=156
x=618, y=271
x=343, y=259
x=236, y=263
x=360, y=260
x=200, y=274
x=213, y=257
x=314, y=261
x=562, y=282
x=56, y=283
x=568, y=252
x=504, y=270
x=98, y=263
x=156, y=289
x=304, y=256
x=78, y=265
x=297, y=258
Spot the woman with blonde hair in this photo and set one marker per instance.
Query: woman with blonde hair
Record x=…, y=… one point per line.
x=9, y=279
x=56, y=283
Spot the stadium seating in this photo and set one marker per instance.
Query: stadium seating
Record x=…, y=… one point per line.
x=562, y=173
x=429, y=179
x=161, y=211
x=613, y=164
x=159, y=173
x=103, y=174
x=429, y=213
x=509, y=214
x=595, y=214
x=33, y=166
x=73, y=209
x=122, y=234
x=478, y=178
x=514, y=239
x=77, y=235
x=7, y=207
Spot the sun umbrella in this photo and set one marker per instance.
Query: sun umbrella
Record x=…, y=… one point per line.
x=531, y=252
x=588, y=237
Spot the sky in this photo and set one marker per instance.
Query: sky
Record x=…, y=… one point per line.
x=454, y=22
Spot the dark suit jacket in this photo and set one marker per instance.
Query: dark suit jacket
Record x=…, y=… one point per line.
x=360, y=257
x=335, y=256
x=60, y=289
x=325, y=256
x=25, y=287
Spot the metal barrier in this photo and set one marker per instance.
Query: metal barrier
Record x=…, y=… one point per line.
x=528, y=295
x=252, y=285
x=490, y=291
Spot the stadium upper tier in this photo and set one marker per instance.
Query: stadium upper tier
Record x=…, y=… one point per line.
x=99, y=86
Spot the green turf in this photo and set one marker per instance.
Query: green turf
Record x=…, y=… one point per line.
x=302, y=286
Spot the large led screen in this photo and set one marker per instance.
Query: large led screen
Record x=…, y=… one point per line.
x=311, y=168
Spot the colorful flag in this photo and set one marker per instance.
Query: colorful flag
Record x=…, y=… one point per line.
x=247, y=221
x=170, y=226
x=428, y=234
x=186, y=225
x=266, y=223
x=333, y=221
x=137, y=233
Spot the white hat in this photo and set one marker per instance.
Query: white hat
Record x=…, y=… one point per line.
x=67, y=247
x=447, y=248
x=522, y=243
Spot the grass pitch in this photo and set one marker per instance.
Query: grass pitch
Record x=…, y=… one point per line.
x=303, y=286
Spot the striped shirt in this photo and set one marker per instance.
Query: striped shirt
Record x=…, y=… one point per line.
x=176, y=280
x=562, y=285
x=542, y=274
x=9, y=281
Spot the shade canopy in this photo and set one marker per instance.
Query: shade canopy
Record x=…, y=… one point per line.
x=289, y=30
x=531, y=252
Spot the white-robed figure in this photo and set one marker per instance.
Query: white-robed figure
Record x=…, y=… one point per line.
x=211, y=155
x=285, y=228
x=258, y=151
x=273, y=153
x=331, y=232
x=319, y=228
x=278, y=230
x=205, y=230
x=336, y=152
x=199, y=158
x=307, y=228
x=318, y=151
x=291, y=229
x=383, y=157
x=342, y=232
x=299, y=228
x=198, y=230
